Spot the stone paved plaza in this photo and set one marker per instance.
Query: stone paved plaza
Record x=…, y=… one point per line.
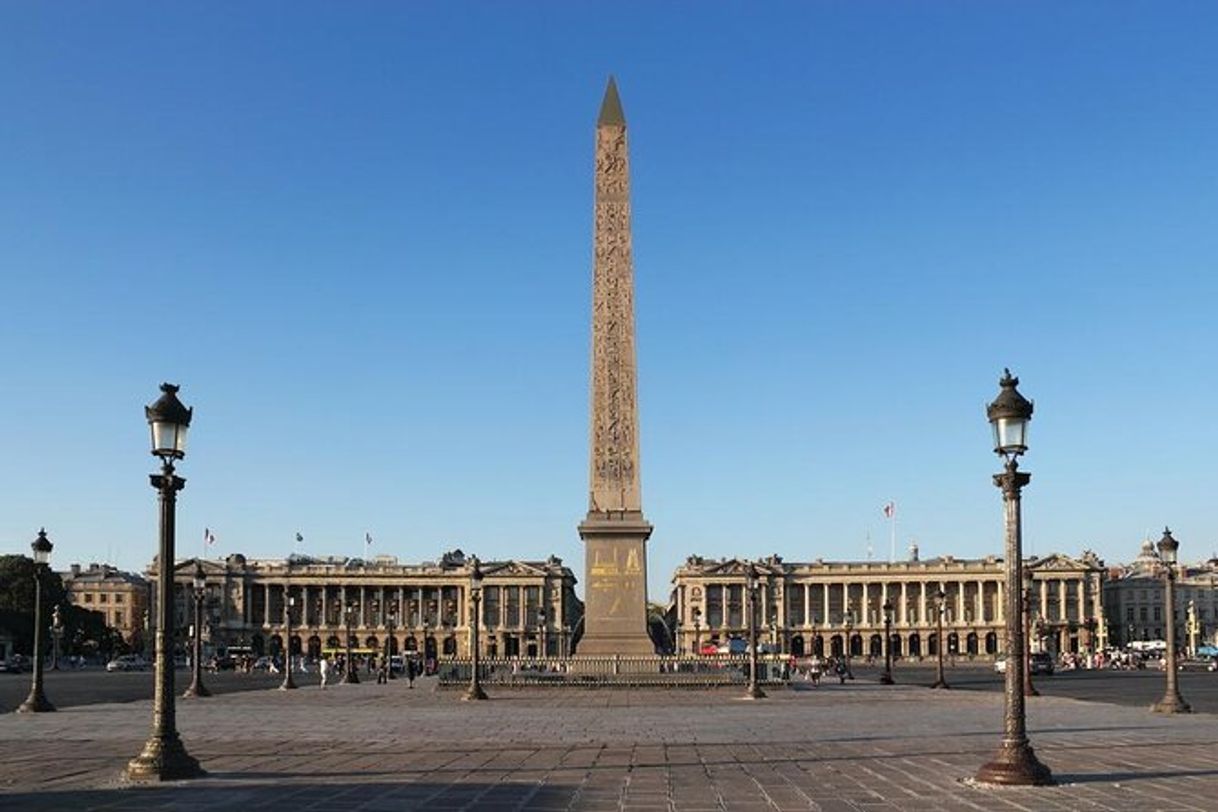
x=367, y=747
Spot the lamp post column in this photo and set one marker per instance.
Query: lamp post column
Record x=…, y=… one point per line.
x=289, y=602
x=164, y=758
x=754, y=690
x=1025, y=649
x=196, y=687
x=940, y=678
x=1171, y=702
x=1015, y=763
x=886, y=677
x=350, y=673
x=475, y=692
x=56, y=637
x=37, y=702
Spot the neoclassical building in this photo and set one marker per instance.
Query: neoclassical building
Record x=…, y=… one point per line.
x=121, y=597
x=818, y=606
x=529, y=608
x=1133, y=600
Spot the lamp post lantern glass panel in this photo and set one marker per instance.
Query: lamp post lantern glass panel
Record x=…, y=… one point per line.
x=886, y=677
x=37, y=702
x=289, y=604
x=1015, y=762
x=164, y=758
x=196, y=687
x=1171, y=702
x=475, y=692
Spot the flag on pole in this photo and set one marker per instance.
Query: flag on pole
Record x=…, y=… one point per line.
x=208, y=536
x=367, y=538
x=890, y=510
x=299, y=538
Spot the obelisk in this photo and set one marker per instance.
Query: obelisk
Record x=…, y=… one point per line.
x=614, y=532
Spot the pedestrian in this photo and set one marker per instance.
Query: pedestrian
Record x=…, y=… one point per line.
x=411, y=671
x=382, y=671
x=325, y=667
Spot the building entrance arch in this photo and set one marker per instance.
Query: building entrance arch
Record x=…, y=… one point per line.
x=876, y=645
x=836, y=646
x=797, y=646
x=915, y=645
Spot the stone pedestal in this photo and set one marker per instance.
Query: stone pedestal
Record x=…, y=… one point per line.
x=615, y=600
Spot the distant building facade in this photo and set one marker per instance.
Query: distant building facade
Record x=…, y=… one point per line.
x=822, y=607
x=1134, y=596
x=121, y=597
x=529, y=608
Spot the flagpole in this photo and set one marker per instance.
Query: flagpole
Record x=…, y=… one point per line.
x=892, y=553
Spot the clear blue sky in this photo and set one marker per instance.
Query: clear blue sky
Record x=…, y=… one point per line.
x=359, y=235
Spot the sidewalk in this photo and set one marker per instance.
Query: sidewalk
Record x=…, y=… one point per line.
x=370, y=747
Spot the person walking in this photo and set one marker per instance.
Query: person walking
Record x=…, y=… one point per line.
x=325, y=667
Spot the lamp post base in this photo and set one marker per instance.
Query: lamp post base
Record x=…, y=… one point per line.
x=36, y=702
x=940, y=683
x=475, y=694
x=196, y=689
x=1171, y=704
x=1015, y=765
x=754, y=692
x=288, y=683
x=1028, y=690
x=163, y=759
x=886, y=679
x=350, y=677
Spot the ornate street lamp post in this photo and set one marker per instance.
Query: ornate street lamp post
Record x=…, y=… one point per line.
x=37, y=702
x=350, y=673
x=164, y=758
x=1015, y=762
x=754, y=690
x=289, y=604
x=541, y=632
x=697, y=630
x=475, y=691
x=56, y=637
x=196, y=687
x=390, y=621
x=886, y=677
x=940, y=607
x=1171, y=702
x=848, y=650
x=1028, y=688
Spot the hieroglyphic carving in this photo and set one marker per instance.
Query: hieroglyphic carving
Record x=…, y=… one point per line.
x=614, y=479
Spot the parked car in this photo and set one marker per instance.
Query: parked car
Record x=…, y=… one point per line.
x=1041, y=662
x=127, y=662
x=12, y=665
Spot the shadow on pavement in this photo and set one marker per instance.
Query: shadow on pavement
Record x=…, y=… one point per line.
x=364, y=796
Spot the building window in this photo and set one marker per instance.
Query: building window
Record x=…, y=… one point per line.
x=1129, y=613
x=118, y=598
x=102, y=598
x=118, y=618
x=88, y=597
x=1158, y=613
x=1142, y=614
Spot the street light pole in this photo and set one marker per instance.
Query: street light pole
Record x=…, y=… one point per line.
x=754, y=690
x=164, y=757
x=196, y=687
x=390, y=622
x=56, y=637
x=1171, y=702
x=940, y=677
x=475, y=692
x=1026, y=654
x=37, y=702
x=849, y=641
x=886, y=677
x=289, y=603
x=1015, y=762
x=697, y=631
x=350, y=673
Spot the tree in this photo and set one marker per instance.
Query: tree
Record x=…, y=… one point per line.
x=84, y=631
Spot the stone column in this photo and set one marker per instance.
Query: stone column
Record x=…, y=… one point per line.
x=1044, y=599
x=903, y=609
x=1062, y=612
x=824, y=594
x=807, y=605
x=266, y=604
